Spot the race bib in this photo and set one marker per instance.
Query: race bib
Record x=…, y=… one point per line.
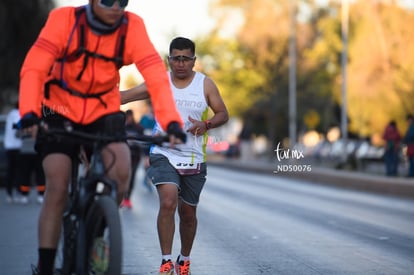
x=185, y=169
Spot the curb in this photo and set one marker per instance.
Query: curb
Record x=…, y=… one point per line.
x=394, y=186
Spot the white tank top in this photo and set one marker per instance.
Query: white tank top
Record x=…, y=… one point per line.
x=190, y=101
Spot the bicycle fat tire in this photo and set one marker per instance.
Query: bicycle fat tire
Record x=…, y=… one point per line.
x=103, y=237
x=65, y=255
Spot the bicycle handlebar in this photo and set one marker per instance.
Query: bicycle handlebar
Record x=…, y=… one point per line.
x=84, y=137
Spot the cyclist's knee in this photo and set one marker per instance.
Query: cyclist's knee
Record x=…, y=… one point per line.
x=56, y=193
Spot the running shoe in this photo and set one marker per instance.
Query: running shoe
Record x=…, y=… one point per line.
x=126, y=203
x=40, y=199
x=10, y=199
x=166, y=268
x=182, y=267
x=24, y=200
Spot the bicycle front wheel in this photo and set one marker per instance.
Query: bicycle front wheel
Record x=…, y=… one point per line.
x=66, y=250
x=103, y=237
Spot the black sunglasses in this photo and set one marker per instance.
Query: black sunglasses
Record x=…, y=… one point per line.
x=182, y=58
x=110, y=3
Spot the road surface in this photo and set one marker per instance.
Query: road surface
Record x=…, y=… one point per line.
x=252, y=224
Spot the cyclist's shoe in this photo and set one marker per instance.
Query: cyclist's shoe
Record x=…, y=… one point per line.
x=166, y=268
x=35, y=270
x=182, y=267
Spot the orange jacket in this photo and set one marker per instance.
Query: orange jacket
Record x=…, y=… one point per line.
x=99, y=75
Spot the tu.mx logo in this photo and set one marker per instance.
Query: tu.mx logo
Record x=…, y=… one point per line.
x=285, y=154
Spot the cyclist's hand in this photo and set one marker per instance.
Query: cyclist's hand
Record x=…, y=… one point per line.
x=28, y=124
x=27, y=121
x=176, y=134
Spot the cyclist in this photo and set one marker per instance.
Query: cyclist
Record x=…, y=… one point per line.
x=179, y=175
x=70, y=78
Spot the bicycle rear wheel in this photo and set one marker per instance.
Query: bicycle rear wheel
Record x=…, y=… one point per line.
x=103, y=237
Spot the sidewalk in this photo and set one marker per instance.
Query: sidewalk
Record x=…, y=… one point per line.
x=312, y=172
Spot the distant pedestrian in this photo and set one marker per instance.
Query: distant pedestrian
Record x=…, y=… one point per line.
x=245, y=141
x=12, y=144
x=147, y=122
x=409, y=140
x=132, y=128
x=392, y=140
x=31, y=168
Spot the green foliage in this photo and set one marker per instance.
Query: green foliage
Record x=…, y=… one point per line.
x=240, y=82
x=311, y=119
x=381, y=71
x=251, y=67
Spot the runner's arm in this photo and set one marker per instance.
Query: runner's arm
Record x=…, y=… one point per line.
x=139, y=92
x=216, y=104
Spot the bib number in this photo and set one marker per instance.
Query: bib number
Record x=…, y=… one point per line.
x=185, y=169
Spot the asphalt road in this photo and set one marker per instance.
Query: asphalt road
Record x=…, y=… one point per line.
x=253, y=224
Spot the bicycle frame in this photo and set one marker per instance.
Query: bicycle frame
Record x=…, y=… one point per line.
x=93, y=184
x=84, y=190
x=88, y=201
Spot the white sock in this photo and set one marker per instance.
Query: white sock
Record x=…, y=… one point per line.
x=183, y=258
x=167, y=257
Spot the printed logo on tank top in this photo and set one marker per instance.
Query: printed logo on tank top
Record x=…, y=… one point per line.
x=190, y=103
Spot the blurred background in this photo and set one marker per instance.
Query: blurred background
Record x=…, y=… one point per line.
x=324, y=77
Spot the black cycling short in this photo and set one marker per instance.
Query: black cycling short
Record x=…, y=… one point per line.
x=107, y=125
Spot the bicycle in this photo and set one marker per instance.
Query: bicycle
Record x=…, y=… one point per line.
x=91, y=238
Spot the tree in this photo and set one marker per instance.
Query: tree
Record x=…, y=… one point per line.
x=20, y=23
x=251, y=68
x=381, y=78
